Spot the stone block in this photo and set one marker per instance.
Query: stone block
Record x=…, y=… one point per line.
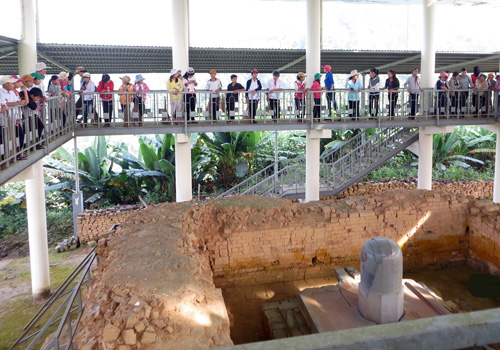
x=129, y=337
x=110, y=333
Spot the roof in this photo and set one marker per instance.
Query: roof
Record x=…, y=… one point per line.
x=158, y=59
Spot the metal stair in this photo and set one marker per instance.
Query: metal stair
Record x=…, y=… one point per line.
x=339, y=169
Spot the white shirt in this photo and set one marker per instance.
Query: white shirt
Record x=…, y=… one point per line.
x=189, y=87
x=5, y=97
x=214, y=86
x=89, y=88
x=274, y=84
x=253, y=86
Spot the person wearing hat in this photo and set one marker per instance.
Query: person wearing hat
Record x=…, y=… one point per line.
x=28, y=81
x=392, y=86
x=232, y=96
x=300, y=88
x=466, y=83
x=454, y=85
x=126, y=99
x=442, y=87
x=354, y=87
x=87, y=87
x=316, y=86
x=140, y=87
x=252, y=96
x=174, y=85
x=106, y=85
x=214, y=85
x=63, y=81
x=9, y=98
x=275, y=85
x=482, y=93
x=330, y=86
x=189, y=85
x=413, y=86
x=41, y=68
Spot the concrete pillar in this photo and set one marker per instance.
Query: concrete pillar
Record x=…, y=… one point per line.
x=313, y=39
x=37, y=232
x=428, y=60
x=26, y=48
x=428, y=68
x=312, y=184
x=180, y=23
x=180, y=59
x=183, y=173
x=425, y=145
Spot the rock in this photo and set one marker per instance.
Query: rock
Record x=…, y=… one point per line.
x=170, y=329
x=110, y=333
x=149, y=336
x=92, y=243
x=139, y=327
x=129, y=337
x=155, y=314
x=159, y=323
x=131, y=321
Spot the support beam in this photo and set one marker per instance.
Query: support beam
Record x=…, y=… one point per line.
x=428, y=60
x=27, y=45
x=312, y=185
x=183, y=172
x=425, y=144
x=313, y=39
x=37, y=232
x=291, y=64
x=395, y=63
x=180, y=23
x=53, y=61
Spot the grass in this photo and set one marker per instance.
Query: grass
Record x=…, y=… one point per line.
x=17, y=311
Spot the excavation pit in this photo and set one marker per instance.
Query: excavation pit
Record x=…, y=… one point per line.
x=160, y=277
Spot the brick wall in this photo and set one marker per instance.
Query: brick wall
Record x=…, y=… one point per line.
x=91, y=223
x=254, y=242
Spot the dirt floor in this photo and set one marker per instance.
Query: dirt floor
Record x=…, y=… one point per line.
x=16, y=305
x=244, y=304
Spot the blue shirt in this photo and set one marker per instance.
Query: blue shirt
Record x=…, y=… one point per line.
x=353, y=96
x=329, y=80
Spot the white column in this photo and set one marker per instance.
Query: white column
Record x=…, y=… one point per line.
x=428, y=68
x=312, y=168
x=313, y=39
x=26, y=48
x=180, y=23
x=180, y=59
x=425, y=144
x=496, y=183
x=183, y=174
x=37, y=232
x=428, y=60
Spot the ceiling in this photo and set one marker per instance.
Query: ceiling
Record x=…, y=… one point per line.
x=157, y=59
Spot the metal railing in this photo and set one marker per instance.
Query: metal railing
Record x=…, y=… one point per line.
x=260, y=183
x=23, y=131
x=64, y=312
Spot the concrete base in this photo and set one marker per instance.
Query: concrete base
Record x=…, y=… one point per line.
x=335, y=307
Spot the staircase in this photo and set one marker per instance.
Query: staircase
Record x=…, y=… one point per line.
x=339, y=168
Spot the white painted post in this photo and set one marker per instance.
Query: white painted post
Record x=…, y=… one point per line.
x=183, y=175
x=496, y=182
x=312, y=167
x=313, y=63
x=37, y=232
x=180, y=59
x=428, y=67
x=313, y=39
x=26, y=47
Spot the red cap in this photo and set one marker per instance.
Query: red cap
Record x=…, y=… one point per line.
x=328, y=68
x=254, y=70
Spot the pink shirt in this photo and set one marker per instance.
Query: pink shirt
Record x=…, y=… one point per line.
x=316, y=86
x=144, y=87
x=299, y=87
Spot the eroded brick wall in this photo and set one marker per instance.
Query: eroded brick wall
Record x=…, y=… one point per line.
x=263, y=240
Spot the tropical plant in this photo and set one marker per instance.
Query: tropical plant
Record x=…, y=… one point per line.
x=449, y=149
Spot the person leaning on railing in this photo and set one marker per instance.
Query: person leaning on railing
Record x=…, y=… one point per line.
x=442, y=88
x=215, y=86
x=35, y=97
x=300, y=91
x=374, y=96
x=88, y=99
x=316, y=86
x=9, y=98
x=413, y=86
x=174, y=85
x=454, y=85
x=253, y=96
x=126, y=99
x=275, y=85
x=106, y=85
x=466, y=84
x=140, y=98
x=482, y=92
x=392, y=86
x=330, y=86
x=232, y=96
x=354, y=87
x=189, y=84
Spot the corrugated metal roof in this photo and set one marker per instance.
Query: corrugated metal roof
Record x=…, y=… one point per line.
x=158, y=59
